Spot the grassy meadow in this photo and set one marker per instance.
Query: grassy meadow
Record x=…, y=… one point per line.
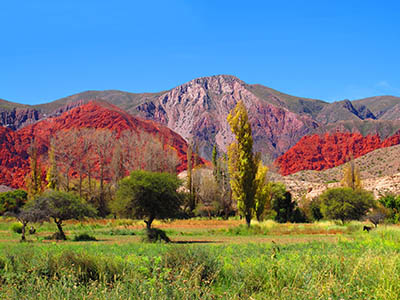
x=207, y=259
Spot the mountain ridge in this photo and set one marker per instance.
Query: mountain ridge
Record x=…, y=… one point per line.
x=197, y=110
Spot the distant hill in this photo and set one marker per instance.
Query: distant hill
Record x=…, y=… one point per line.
x=14, y=162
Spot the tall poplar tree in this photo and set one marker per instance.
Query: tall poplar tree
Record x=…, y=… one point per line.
x=243, y=163
x=52, y=173
x=261, y=196
x=351, y=176
x=189, y=186
x=34, y=178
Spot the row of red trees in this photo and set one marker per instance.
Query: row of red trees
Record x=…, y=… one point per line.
x=91, y=162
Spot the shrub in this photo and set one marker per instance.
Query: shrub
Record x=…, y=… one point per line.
x=155, y=235
x=118, y=231
x=16, y=227
x=84, y=237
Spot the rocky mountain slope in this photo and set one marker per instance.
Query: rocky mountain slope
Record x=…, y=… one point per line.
x=197, y=110
x=320, y=152
x=379, y=170
x=14, y=162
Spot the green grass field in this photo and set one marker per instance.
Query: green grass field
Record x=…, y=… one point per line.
x=208, y=259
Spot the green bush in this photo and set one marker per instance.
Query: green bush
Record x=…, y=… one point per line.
x=16, y=227
x=12, y=201
x=84, y=237
x=156, y=235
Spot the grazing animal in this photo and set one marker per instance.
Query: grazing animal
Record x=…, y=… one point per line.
x=367, y=228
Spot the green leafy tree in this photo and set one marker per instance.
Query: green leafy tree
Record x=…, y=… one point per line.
x=61, y=206
x=286, y=209
x=346, y=204
x=148, y=195
x=392, y=203
x=12, y=201
x=28, y=214
x=242, y=162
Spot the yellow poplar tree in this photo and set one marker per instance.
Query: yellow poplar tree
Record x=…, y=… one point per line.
x=52, y=173
x=351, y=176
x=189, y=154
x=243, y=163
x=34, y=178
x=262, y=192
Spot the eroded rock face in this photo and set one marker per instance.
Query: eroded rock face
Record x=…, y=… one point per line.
x=320, y=152
x=20, y=117
x=17, y=118
x=198, y=111
x=14, y=161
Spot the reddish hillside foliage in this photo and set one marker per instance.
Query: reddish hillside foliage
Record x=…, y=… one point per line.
x=320, y=152
x=14, y=162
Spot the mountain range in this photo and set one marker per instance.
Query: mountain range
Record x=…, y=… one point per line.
x=197, y=111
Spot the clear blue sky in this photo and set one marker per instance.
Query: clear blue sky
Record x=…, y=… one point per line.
x=329, y=50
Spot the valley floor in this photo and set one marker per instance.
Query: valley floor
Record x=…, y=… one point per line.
x=207, y=259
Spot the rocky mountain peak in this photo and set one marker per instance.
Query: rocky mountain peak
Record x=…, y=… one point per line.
x=198, y=110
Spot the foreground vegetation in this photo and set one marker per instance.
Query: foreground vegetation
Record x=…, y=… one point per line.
x=209, y=260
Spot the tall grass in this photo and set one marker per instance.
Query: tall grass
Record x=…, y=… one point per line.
x=365, y=266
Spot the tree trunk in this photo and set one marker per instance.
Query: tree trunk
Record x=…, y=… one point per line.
x=23, y=239
x=80, y=183
x=248, y=220
x=148, y=222
x=60, y=229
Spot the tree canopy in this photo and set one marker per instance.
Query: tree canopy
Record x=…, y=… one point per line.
x=150, y=195
x=12, y=201
x=346, y=204
x=243, y=163
x=61, y=206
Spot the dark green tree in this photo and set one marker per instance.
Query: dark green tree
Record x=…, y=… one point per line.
x=149, y=195
x=346, y=204
x=215, y=161
x=12, y=201
x=392, y=203
x=60, y=206
x=286, y=209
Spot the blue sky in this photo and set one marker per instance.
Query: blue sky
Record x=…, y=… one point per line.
x=329, y=50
